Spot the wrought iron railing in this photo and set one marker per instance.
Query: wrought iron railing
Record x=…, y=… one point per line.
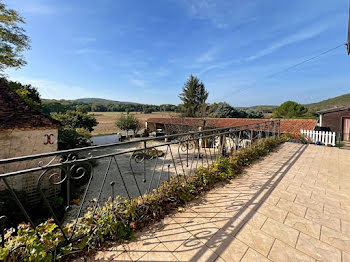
x=129, y=169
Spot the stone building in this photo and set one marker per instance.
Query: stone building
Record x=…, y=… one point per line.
x=23, y=132
x=336, y=120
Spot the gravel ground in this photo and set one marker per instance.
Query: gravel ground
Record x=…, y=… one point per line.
x=107, y=172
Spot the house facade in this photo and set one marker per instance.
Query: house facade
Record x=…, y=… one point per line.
x=24, y=132
x=336, y=120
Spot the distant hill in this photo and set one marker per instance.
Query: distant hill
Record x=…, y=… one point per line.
x=101, y=101
x=263, y=108
x=334, y=102
x=91, y=100
x=339, y=101
x=101, y=105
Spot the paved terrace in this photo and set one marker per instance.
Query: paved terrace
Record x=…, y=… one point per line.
x=292, y=206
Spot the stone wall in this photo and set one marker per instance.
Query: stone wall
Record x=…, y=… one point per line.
x=23, y=142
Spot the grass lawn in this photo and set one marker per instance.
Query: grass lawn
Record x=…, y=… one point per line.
x=107, y=120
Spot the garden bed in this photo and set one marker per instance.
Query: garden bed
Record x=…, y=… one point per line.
x=117, y=219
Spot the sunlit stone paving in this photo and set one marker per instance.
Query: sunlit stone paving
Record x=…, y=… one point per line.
x=294, y=205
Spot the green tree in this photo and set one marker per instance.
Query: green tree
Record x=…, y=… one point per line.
x=69, y=138
x=74, y=120
x=223, y=110
x=290, y=109
x=28, y=93
x=193, y=96
x=54, y=106
x=75, y=128
x=147, y=109
x=13, y=40
x=128, y=122
x=254, y=114
x=98, y=108
x=82, y=108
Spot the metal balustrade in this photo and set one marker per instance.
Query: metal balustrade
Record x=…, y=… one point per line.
x=128, y=169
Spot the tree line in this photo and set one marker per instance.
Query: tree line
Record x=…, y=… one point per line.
x=61, y=106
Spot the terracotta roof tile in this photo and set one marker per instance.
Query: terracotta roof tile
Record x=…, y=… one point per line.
x=15, y=113
x=291, y=126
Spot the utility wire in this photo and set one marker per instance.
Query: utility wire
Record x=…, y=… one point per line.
x=305, y=61
x=281, y=71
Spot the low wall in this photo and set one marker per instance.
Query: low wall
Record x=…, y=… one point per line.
x=16, y=143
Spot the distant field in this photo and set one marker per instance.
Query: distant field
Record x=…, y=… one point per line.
x=107, y=120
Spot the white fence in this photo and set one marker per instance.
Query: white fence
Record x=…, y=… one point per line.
x=323, y=137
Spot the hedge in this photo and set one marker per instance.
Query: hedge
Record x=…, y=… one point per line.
x=117, y=220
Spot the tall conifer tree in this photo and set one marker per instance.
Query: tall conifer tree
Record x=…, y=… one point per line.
x=193, y=96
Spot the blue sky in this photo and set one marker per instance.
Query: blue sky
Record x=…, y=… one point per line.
x=143, y=51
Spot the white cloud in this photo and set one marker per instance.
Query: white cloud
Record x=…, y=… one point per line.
x=89, y=51
x=85, y=39
x=84, y=51
x=138, y=82
x=40, y=10
x=207, y=56
x=220, y=12
x=220, y=65
x=34, y=7
x=54, y=90
x=292, y=39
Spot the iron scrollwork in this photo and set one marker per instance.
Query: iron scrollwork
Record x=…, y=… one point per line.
x=184, y=153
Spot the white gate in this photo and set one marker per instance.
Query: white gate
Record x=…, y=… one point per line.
x=324, y=137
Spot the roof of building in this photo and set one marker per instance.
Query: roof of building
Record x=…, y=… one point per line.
x=15, y=113
x=292, y=126
x=331, y=110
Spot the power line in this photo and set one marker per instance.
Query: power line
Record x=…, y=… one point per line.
x=305, y=61
x=281, y=71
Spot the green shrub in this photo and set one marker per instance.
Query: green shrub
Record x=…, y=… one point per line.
x=69, y=138
x=9, y=207
x=339, y=144
x=148, y=153
x=116, y=220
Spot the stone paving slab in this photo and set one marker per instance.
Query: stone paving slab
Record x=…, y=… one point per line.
x=294, y=205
